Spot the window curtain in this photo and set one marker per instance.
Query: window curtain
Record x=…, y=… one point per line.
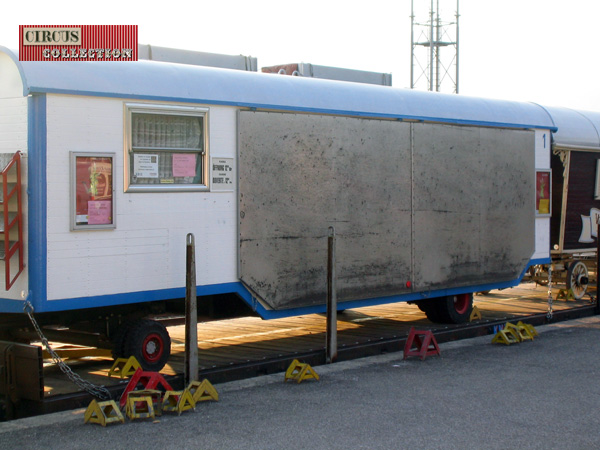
x=166, y=131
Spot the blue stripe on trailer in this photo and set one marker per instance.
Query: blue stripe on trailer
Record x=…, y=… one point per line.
x=37, y=203
x=239, y=289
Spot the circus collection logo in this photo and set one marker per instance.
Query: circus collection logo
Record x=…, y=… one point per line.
x=78, y=43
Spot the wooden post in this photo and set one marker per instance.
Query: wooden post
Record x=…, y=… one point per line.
x=331, y=346
x=191, y=314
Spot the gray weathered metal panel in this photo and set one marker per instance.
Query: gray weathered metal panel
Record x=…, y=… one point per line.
x=301, y=173
x=473, y=215
x=438, y=205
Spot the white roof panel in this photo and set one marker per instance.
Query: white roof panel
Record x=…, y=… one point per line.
x=186, y=83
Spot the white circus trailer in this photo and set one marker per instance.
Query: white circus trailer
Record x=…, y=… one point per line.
x=433, y=197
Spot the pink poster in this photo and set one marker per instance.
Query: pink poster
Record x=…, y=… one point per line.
x=99, y=212
x=184, y=165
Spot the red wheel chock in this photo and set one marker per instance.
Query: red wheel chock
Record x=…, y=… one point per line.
x=150, y=380
x=425, y=343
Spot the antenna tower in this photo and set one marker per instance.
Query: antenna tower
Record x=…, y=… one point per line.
x=431, y=31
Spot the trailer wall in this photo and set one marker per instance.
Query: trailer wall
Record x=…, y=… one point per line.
x=576, y=179
x=145, y=253
x=542, y=222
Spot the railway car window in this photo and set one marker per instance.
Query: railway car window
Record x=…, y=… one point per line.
x=166, y=148
x=92, y=199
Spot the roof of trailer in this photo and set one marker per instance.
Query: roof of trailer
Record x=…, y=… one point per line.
x=575, y=128
x=162, y=81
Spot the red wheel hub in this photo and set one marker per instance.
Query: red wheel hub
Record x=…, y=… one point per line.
x=153, y=347
x=462, y=303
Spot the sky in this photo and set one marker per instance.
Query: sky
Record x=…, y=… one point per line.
x=544, y=51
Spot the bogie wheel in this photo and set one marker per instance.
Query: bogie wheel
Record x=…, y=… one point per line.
x=451, y=309
x=577, y=279
x=150, y=343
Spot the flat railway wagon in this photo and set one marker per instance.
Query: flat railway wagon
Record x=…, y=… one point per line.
x=109, y=166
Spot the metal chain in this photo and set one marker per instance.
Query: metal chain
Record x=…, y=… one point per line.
x=97, y=391
x=549, y=315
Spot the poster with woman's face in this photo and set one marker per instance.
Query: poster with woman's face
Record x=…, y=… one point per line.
x=93, y=192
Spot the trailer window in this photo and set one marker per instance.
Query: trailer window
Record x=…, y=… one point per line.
x=166, y=148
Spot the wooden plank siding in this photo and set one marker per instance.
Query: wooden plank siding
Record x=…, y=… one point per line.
x=580, y=197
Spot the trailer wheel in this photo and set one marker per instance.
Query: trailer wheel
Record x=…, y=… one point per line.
x=450, y=309
x=150, y=343
x=118, y=341
x=430, y=309
x=577, y=279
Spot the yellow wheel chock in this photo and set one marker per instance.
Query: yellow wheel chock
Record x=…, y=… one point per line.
x=475, y=314
x=203, y=391
x=156, y=397
x=565, y=294
x=513, y=334
x=103, y=413
x=299, y=371
x=139, y=406
x=523, y=332
x=178, y=401
x=506, y=336
x=124, y=367
x=529, y=329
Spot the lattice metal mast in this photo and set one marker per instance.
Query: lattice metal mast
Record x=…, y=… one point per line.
x=430, y=68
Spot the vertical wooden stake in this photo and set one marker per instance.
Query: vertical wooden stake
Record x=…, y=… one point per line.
x=191, y=314
x=331, y=346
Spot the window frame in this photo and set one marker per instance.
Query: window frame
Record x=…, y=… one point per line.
x=73, y=190
x=539, y=173
x=175, y=110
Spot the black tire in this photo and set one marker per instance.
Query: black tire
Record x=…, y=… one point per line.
x=430, y=309
x=422, y=305
x=450, y=309
x=150, y=343
x=118, y=340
